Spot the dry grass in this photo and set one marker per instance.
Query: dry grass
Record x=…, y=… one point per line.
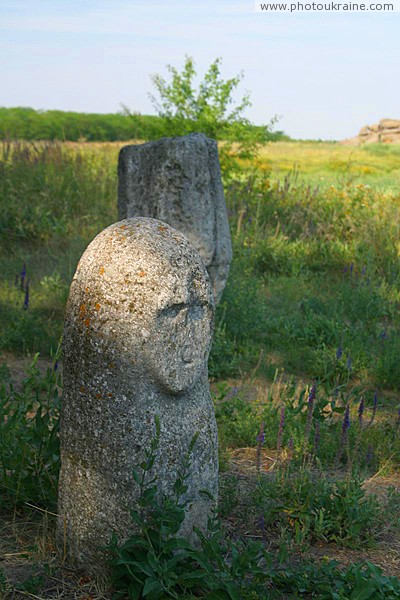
x=32, y=564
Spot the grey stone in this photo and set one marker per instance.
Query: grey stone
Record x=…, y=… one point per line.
x=178, y=181
x=137, y=336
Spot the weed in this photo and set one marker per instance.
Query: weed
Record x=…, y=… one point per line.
x=315, y=507
x=157, y=563
x=29, y=446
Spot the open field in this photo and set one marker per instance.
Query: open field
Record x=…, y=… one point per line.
x=313, y=297
x=324, y=164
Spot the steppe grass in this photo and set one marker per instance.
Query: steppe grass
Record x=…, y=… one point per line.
x=313, y=296
x=324, y=164
x=326, y=450
x=313, y=270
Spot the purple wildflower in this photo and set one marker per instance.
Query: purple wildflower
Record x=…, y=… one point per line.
x=346, y=420
x=310, y=410
x=26, y=299
x=351, y=269
x=280, y=431
x=361, y=408
x=345, y=270
x=232, y=392
x=345, y=431
x=23, y=275
x=339, y=352
x=313, y=392
x=261, y=436
x=55, y=366
x=260, y=440
x=317, y=436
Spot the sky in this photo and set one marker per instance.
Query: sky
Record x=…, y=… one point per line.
x=324, y=75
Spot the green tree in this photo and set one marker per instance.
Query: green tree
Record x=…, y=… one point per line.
x=208, y=108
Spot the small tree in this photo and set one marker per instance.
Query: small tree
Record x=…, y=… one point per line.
x=207, y=109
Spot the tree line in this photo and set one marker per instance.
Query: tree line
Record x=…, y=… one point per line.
x=30, y=124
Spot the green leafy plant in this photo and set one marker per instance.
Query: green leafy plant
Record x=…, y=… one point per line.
x=157, y=563
x=29, y=444
x=186, y=108
x=328, y=581
x=312, y=506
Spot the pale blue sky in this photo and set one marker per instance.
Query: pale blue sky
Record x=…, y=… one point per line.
x=325, y=74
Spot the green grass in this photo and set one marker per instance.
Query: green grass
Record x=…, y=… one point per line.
x=325, y=164
x=312, y=269
x=313, y=293
x=313, y=492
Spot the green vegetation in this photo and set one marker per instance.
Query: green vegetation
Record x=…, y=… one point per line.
x=22, y=123
x=313, y=295
x=323, y=165
x=313, y=270
x=207, y=108
x=29, y=124
x=286, y=506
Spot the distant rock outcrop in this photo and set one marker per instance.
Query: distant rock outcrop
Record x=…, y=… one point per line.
x=386, y=131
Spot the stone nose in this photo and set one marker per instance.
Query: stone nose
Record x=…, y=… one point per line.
x=187, y=353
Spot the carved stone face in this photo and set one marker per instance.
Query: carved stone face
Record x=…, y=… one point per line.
x=176, y=350
x=142, y=293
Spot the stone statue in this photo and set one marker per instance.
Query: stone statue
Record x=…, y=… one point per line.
x=178, y=181
x=138, y=329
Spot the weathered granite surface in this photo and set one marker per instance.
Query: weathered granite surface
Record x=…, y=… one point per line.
x=137, y=336
x=178, y=181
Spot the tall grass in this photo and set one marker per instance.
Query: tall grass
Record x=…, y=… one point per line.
x=313, y=268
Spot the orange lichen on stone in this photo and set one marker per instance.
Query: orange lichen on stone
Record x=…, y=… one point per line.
x=111, y=366
x=86, y=290
x=123, y=226
x=109, y=395
x=87, y=322
x=161, y=228
x=82, y=390
x=98, y=396
x=142, y=273
x=97, y=306
x=101, y=271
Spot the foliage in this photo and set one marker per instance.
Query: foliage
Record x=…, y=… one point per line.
x=29, y=445
x=297, y=502
x=291, y=298
x=330, y=582
x=29, y=124
x=315, y=507
x=3, y=581
x=157, y=563
x=315, y=433
x=207, y=109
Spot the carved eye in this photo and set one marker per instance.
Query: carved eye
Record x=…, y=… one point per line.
x=173, y=310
